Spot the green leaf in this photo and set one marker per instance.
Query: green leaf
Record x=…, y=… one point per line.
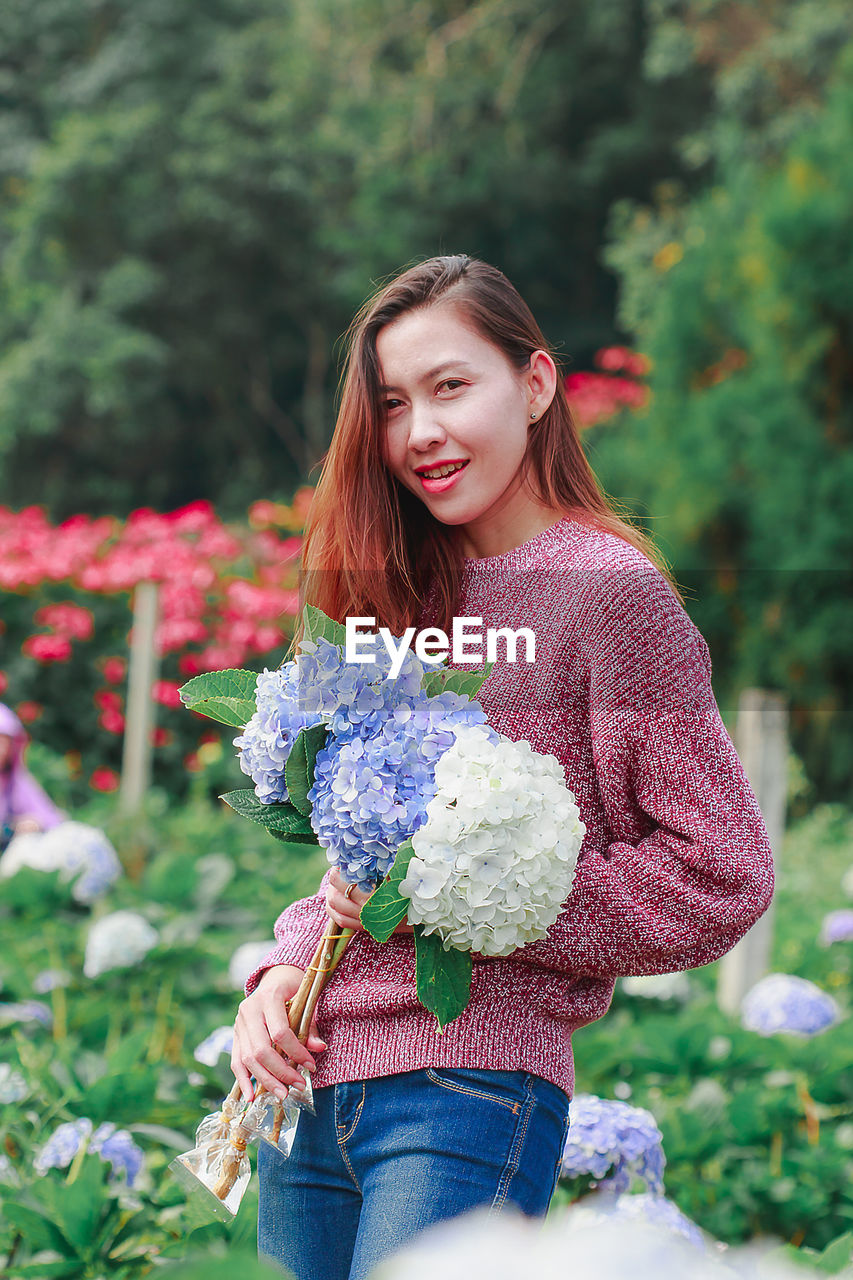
x=296, y=839
x=386, y=906
x=449, y=680
x=39, y=1231
x=227, y=696
x=275, y=817
x=317, y=624
x=299, y=768
x=443, y=977
x=837, y=1253
x=77, y=1208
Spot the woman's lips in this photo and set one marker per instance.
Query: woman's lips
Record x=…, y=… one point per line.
x=444, y=483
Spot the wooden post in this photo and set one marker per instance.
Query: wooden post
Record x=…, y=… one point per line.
x=139, y=721
x=761, y=739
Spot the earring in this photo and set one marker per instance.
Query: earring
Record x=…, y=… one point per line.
x=532, y=416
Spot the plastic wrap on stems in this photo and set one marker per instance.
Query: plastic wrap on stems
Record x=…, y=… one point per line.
x=219, y=1167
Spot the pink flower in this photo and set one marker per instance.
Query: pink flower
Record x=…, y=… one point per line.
x=112, y=721
x=166, y=693
x=4, y=682
x=27, y=712
x=107, y=700
x=114, y=669
x=67, y=619
x=47, y=648
x=104, y=779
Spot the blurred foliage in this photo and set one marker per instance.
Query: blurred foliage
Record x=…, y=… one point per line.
x=195, y=200
x=744, y=454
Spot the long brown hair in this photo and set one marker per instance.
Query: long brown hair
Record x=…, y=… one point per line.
x=371, y=547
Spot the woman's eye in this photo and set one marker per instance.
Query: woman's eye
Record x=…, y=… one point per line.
x=451, y=383
x=388, y=405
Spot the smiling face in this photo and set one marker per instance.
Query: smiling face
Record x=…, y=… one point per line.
x=457, y=415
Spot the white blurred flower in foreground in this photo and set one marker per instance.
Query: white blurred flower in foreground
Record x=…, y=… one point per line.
x=213, y=1046
x=118, y=941
x=245, y=960
x=596, y=1244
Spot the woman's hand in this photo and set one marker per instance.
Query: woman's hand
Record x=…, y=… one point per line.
x=263, y=1037
x=346, y=911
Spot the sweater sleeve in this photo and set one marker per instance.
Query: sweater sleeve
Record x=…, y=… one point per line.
x=297, y=932
x=687, y=866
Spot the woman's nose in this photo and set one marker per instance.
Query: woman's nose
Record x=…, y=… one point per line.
x=424, y=427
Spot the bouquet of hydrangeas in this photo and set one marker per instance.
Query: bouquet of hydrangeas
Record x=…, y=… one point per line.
x=470, y=836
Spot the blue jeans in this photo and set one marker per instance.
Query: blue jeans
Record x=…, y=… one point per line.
x=384, y=1158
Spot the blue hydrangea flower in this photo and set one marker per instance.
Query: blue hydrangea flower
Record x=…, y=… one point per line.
x=118, y=1147
x=376, y=775
x=63, y=1145
x=111, y=1144
x=48, y=979
x=837, y=927
x=213, y=1046
x=606, y=1135
x=784, y=1002
x=266, y=741
x=319, y=687
x=26, y=1011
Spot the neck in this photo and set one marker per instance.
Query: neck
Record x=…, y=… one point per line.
x=507, y=531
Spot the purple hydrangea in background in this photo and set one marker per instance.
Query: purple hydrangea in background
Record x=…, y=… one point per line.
x=605, y=1134
x=118, y=1147
x=49, y=979
x=63, y=1145
x=26, y=1011
x=837, y=927
x=371, y=791
x=113, y=1145
x=213, y=1046
x=783, y=1002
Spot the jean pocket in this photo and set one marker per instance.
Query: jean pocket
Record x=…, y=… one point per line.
x=507, y=1088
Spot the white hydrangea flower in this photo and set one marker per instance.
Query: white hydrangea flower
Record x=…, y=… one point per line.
x=245, y=960
x=118, y=941
x=81, y=853
x=657, y=986
x=495, y=860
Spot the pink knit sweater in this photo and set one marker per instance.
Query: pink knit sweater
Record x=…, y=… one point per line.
x=675, y=866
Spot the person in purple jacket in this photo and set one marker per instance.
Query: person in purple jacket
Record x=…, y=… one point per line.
x=456, y=486
x=24, y=806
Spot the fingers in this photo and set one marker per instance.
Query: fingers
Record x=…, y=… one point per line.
x=345, y=911
x=315, y=1043
x=261, y=1037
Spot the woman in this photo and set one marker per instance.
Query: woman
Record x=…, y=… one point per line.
x=455, y=485
x=24, y=807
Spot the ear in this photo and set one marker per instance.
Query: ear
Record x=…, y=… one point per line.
x=541, y=381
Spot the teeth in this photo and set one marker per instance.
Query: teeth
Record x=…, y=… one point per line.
x=442, y=471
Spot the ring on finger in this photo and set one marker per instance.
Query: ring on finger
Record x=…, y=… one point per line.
x=349, y=891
